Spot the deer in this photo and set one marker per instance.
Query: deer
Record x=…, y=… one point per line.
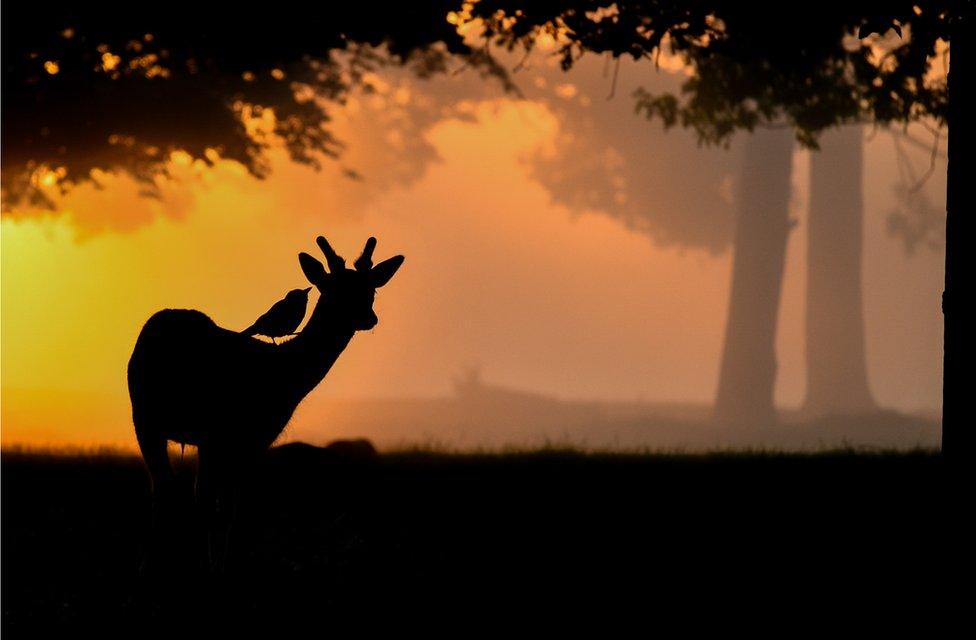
x=231, y=395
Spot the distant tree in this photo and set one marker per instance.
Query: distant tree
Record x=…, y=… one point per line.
x=747, y=374
x=836, y=360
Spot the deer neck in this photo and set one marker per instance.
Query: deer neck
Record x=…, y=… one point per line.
x=311, y=354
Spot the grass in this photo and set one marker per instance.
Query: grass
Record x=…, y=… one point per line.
x=418, y=536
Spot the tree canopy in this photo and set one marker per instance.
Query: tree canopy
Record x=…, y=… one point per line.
x=809, y=68
x=114, y=87
x=605, y=159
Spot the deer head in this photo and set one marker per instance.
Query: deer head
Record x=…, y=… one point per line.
x=349, y=292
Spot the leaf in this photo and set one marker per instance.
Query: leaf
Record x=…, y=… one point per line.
x=879, y=26
x=871, y=26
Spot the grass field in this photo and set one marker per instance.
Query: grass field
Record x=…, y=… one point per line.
x=418, y=538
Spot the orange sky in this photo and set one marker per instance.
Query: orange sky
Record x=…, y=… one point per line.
x=541, y=297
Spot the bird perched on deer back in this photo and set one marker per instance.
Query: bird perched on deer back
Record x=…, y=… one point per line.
x=283, y=317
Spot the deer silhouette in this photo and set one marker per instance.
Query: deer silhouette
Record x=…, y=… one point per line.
x=231, y=395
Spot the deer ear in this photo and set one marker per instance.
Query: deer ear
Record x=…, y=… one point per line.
x=312, y=269
x=382, y=272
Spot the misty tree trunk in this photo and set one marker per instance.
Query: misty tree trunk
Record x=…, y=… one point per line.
x=959, y=311
x=837, y=376
x=748, y=372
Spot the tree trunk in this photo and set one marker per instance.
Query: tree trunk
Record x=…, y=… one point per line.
x=837, y=376
x=957, y=305
x=748, y=372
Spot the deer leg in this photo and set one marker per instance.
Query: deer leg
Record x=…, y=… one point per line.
x=228, y=515
x=241, y=464
x=206, y=498
x=239, y=468
x=215, y=498
x=163, y=524
x=154, y=453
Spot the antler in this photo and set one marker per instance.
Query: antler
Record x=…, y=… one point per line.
x=334, y=260
x=365, y=261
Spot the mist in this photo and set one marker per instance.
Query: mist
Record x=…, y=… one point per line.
x=573, y=254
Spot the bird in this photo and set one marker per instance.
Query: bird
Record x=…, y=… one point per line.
x=283, y=317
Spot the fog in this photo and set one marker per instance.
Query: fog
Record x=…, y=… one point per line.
x=574, y=255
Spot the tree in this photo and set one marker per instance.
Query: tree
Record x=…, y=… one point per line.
x=748, y=370
x=99, y=87
x=837, y=378
x=958, y=437
x=661, y=185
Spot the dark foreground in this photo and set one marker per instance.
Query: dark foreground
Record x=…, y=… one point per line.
x=415, y=540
